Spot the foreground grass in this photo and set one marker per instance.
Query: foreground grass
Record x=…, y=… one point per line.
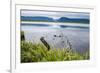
x=38, y=53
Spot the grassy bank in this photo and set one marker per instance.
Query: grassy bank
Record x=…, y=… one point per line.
x=39, y=53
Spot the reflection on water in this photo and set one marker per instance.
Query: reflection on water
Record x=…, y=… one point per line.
x=75, y=37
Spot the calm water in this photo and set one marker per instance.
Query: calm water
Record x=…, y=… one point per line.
x=78, y=36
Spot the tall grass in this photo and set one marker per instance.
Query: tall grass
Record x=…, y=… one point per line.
x=39, y=53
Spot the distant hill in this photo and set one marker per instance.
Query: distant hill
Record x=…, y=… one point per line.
x=36, y=18
x=65, y=19
x=48, y=19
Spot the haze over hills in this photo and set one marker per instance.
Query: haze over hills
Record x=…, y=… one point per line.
x=49, y=19
x=36, y=18
x=65, y=19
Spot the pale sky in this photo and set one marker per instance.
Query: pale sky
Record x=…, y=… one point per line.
x=55, y=15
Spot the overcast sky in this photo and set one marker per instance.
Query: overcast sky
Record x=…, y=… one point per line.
x=55, y=15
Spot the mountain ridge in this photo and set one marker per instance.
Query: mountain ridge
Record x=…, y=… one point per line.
x=49, y=19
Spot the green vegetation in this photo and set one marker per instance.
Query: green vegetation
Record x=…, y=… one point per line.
x=22, y=35
x=39, y=53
